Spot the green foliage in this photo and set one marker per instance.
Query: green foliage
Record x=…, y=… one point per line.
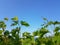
x=1, y=31
x=57, y=29
x=38, y=37
x=36, y=33
x=6, y=32
x=2, y=24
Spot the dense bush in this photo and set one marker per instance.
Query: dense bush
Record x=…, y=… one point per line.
x=38, y=37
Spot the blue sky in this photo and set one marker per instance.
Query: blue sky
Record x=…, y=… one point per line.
x=31, y=11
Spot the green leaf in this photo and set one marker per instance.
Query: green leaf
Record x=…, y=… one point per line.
x=13, y=24
x=6, y=19
x=1, y=32
x=2, y=24
x=43, y=30
x=56, y=29
x=50, y=22
x=56, y=22
x=24, y=23
x=44, y=19
x=6, y=32
x=15, y=18
x=36, y=33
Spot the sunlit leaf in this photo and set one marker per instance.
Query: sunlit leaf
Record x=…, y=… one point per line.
x=1, y=31
x=15, y=18
x=2, y=24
